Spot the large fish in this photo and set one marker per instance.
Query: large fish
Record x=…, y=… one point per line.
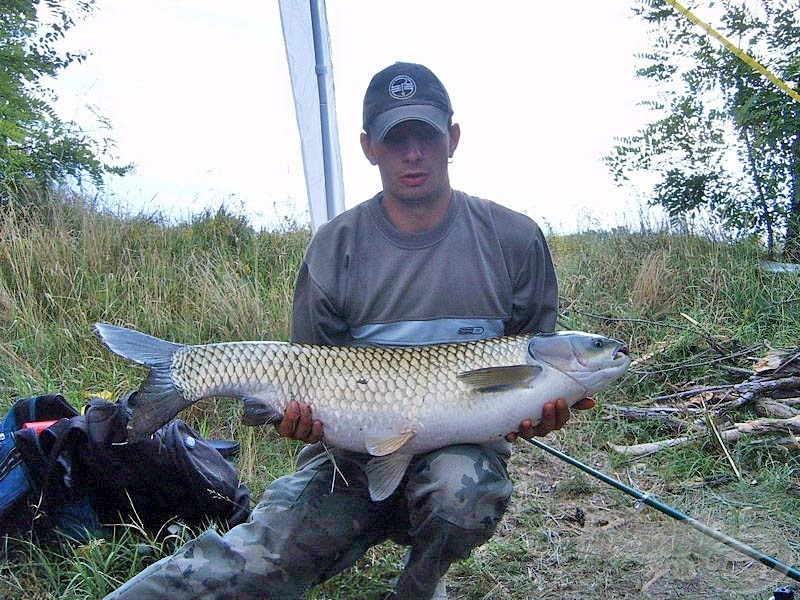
x=391, y=403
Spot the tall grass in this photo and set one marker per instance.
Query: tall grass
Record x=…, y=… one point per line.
x=65, y=265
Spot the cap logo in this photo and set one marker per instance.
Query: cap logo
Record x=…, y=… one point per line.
x=402, y=87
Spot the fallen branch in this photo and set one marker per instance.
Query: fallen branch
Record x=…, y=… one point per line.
x=775, y=409
x=706, y=363
x=653, y=447
x=791, y=401
x=773, y=389
x=747, y=390
x=693, y=392
x=758, y=426
x=751, y=390
x=660, y=414
x=789, y=361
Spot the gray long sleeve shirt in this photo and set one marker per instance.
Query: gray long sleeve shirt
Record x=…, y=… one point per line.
x=484, y=271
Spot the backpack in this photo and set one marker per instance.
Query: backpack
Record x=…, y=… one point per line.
x=80, y=471
x=175, y=473
x=72, y=514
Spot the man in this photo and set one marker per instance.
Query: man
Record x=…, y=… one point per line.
x=419, y=263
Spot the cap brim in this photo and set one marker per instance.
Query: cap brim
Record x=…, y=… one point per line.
x=431, y=115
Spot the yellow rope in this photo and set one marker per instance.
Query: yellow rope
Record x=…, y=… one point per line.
x=736, y=50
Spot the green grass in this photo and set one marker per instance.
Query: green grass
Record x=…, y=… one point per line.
x=679, y=300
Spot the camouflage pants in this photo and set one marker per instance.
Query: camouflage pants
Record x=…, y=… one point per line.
x=302, y=532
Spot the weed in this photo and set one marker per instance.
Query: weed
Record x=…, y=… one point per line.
x=677, y=300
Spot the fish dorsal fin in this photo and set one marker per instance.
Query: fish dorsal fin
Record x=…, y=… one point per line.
x=383, y=445
x=500, y=378
x=385, y=473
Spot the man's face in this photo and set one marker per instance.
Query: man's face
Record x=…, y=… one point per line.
x=412, y=160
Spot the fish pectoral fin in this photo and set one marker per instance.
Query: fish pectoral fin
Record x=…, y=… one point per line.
x=385, y=473
x=500, y=378
x=381, y=446
x=258, y=411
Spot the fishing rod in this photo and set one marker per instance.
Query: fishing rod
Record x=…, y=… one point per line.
x=764, y=559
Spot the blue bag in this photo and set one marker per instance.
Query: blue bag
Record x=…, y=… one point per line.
x=23, y=466
x=15, y=483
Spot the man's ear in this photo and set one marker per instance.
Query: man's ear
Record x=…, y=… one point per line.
x=366, y=147
x=455, y=135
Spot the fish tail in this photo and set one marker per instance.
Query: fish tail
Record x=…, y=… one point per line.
x=158, y=400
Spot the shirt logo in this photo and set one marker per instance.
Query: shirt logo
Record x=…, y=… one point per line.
x=470, y=330
x=402, y=87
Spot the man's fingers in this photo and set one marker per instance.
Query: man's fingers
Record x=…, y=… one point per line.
x=548, y=422
x=316, y=432
x=524, y=428
x=554, y=416
x=561, y=415
x=298, y=424
x=286, y=426
x=303, y=425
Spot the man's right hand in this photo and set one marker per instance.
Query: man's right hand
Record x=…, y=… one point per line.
x=298, y=424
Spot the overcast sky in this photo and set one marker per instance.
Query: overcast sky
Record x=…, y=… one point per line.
x=199, y=98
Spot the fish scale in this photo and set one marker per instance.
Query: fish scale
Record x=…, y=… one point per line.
x=341, y=378
x=387, y=402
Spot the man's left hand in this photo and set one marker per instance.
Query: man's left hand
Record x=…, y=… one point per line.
x=554, y=416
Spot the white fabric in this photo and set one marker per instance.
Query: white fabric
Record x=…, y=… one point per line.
x=298, y=34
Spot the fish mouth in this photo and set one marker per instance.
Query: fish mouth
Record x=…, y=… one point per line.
x=620, y=353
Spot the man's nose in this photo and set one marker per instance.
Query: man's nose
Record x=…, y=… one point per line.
x=413, y=149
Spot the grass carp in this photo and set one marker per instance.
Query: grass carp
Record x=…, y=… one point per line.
x=390, y=402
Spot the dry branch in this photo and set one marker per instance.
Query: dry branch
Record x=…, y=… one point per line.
x=750, y=390
x=759, y=426
x=775, y=409
x=660, y=414
x=773, y=389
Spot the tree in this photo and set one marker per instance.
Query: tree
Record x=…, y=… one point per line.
x=36, y=146
x=727, y=139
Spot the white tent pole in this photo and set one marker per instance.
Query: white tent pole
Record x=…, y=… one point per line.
x=327, y=110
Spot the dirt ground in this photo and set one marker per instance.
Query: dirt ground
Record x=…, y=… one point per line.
x=589, y=540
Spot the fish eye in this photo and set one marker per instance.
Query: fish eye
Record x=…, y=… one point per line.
x=598, y=343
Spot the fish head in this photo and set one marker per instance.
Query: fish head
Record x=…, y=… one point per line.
x=593, y=361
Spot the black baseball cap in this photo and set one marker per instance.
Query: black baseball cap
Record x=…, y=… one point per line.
x=405, y=92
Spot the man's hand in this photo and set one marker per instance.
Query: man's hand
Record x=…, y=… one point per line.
x=554, y=416
x=297, y=424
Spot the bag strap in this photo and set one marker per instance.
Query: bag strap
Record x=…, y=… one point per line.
x=46, y=407
x=41, y=454
x=10, y=462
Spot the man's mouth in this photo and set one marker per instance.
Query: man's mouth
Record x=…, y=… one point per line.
x=414, y=178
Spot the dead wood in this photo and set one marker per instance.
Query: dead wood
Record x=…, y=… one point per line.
x=663, y=415
x=773, y=389
x=758, y=426
x=774, y=409
x=750, y=390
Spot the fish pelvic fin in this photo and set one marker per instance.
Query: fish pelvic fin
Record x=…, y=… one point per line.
x=385, y=473
x=157, y=401
x=381, y=446
x=492, y=379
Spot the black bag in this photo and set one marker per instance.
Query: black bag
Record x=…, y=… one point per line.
x=176, y=473
x=23, y=468
x=85, y=462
